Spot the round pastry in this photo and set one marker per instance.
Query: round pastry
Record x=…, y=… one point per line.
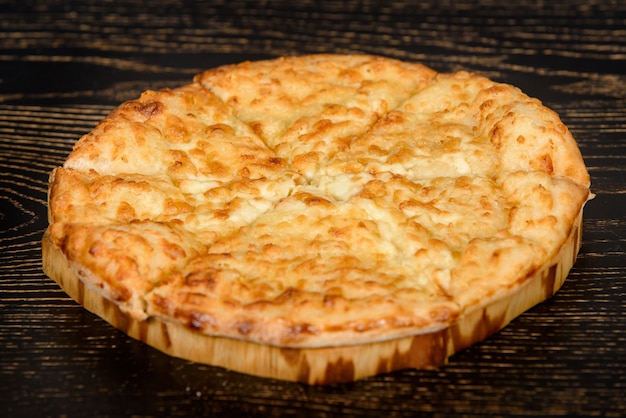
x=319, y=218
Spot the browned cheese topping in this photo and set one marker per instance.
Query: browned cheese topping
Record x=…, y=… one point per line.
x=317, y=200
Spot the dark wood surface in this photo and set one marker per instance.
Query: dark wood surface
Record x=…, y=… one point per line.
x=65, y=64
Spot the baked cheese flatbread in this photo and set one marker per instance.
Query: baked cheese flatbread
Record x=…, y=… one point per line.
x=319, y=218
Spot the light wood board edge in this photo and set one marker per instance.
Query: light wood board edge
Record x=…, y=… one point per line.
x=324, y=365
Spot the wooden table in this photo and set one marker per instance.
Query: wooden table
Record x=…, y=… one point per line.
x=64, y=65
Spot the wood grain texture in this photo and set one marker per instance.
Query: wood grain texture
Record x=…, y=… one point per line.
x=64, y=65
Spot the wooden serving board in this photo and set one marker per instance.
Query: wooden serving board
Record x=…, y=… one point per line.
x=325, y=365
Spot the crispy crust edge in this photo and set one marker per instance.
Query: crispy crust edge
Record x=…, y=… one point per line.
x=324, y=365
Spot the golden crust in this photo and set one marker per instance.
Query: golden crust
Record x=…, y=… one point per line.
x=317, y=201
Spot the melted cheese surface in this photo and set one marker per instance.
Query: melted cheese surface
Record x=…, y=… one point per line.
x=317, y=200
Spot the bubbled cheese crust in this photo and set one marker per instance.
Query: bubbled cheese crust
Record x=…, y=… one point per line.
x=318, y=200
